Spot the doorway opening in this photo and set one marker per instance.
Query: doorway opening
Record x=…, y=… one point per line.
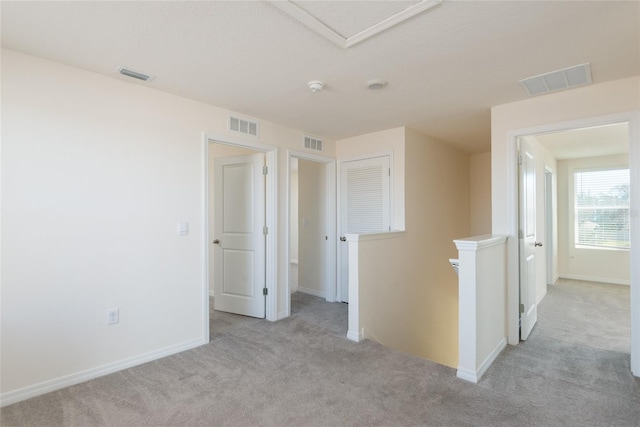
x=561, y=157
x=223, y=146
x=238, y=254
x=311, y=229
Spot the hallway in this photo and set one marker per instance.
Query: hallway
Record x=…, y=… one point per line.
x=573, y=371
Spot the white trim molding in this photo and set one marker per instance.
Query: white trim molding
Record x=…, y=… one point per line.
x=99, y=371
x=474, y=375
x=479, y=242
x=309, y=291
x=333, y=36
x=610, y=281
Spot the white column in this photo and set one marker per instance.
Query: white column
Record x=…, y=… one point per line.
x=481, y=286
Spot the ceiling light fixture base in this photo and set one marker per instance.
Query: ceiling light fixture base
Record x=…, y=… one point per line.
x=376, y=84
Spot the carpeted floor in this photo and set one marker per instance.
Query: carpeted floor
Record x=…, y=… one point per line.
x=301, y=371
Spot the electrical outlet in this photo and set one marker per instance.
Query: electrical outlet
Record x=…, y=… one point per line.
x=113, y=316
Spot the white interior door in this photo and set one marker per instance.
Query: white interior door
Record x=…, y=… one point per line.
x=527, y=238
x=239, y=245
x=365, y=205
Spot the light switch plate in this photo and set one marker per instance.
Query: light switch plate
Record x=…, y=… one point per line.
x=183, y=228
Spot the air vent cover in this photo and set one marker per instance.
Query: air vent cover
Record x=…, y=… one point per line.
x=135, y=74
x=313, y=143
x=558, y=80
x=243, y=126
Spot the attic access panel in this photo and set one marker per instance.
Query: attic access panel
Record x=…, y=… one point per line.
x=342, y=28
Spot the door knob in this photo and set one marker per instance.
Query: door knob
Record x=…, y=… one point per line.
x=343, y=239
x=538, y=243
x=216, y=242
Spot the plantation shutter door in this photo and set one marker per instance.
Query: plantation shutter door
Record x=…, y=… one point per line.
x=365, y=205
x=366, y=195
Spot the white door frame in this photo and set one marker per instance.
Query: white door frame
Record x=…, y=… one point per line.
x=271, y=155
x=330, y=224
x=550, y=239
x=513, y=296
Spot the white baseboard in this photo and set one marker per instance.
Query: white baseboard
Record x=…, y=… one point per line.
x=595, y=279
x=474, y=376
x=355, y=336
x=467, y=375
x=544, y=294
x=282, y=315
x=211, y=293
x=294, y=261
x=311, y=291
x=488, y=361
x=48, y=386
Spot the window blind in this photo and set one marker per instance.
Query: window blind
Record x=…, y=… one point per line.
x=601, y=203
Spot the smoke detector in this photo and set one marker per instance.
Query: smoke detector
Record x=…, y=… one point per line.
x=315, y=85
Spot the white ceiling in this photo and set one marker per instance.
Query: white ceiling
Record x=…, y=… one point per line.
x=588, y=142
x=446, y=66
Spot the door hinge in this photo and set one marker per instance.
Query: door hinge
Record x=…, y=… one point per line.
x=265, y=170
x=521, y=308
x=389, y=171
x=265, y=230
x=265, y=291
x=520, y=160
x=520, y=234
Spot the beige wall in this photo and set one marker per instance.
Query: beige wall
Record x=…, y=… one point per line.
x=580, y=104
x=409, y=293
x=311, y=228
x=586, y=264
x=96, y=173
x=480, y=193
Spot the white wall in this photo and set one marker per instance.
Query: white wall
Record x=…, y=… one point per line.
x=552, y=112
x=311, y=223
x=481, y=282
x=600, y=265
x=96, y=173
x=480, y=193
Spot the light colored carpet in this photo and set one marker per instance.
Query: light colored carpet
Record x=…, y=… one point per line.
x=301, y=371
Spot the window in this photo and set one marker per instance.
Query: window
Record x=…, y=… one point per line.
x=602, y=208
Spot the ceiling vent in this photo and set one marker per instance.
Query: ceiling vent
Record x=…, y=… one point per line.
x=135, y=74
x=567, y=78
x=313, y=143
x=243, y=126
